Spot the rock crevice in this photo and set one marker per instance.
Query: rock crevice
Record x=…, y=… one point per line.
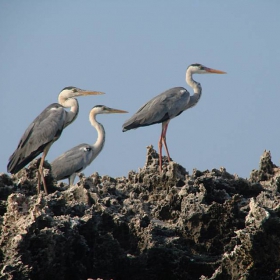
x=148, y=225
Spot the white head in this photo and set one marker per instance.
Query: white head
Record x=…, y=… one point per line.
x=102, y=109
x=69, y=92
x=197, y=68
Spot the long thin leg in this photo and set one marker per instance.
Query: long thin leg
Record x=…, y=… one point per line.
x=72, y=179
x=39, y=177
x=40, y=170
x=160, y=152
x=164, y=139
x=162, y=135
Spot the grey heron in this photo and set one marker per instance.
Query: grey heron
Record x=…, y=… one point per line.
x=78, y=158
x=168, y=105
x=45, y=130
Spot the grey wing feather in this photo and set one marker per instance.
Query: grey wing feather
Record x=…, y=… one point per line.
x=46, y=128
x=72, y=161
x=163, y=107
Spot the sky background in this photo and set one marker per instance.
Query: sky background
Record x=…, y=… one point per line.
x=132, y=51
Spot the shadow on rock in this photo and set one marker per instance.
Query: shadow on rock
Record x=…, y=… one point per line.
x=148, y=225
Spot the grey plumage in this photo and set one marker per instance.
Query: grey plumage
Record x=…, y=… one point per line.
x=161, y=108
x=73, y=161
x=46, y=129
x=169, y=104
x=78, y=158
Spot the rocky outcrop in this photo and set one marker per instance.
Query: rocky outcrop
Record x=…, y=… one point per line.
x=148, y=225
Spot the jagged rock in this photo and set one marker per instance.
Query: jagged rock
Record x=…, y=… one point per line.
x=148, y=225
x=266, y=169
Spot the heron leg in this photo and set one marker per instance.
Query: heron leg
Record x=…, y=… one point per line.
x=164, y=138
x=41, y=171
x=160, y=152
x=71, y=179
x=39, y=178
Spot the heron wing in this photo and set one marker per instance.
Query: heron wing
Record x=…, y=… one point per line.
x=46, y=128
x=163, y=107
x=72, y=161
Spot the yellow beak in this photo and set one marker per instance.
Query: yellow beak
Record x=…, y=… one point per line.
x=214, y=71
x=87, y=92
x=117, y=111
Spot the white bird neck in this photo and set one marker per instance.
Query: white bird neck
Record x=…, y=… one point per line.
x=71, y=103
x=99, y=144
x=195, y=86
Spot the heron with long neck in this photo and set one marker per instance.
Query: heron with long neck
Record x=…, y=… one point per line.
x=78, y=158
x=45, y=130
x=168, y=105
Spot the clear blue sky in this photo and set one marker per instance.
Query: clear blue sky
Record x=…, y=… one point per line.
x=134, y=50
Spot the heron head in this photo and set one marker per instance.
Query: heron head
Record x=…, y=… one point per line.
x=197, y=68
x=102, y=109
x=70, y=91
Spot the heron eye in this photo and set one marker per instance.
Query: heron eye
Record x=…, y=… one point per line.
x=87, y=149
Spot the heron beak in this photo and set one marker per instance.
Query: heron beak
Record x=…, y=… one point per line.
x=214, y=71
x=87, y=92
x=111, y=110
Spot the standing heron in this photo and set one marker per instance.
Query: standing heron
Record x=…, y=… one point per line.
x=45, y=130
x=78, y=158
x=168, y=105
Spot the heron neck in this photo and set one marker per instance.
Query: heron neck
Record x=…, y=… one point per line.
x=99, y=144
x=196, y=88
x=71, y=103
